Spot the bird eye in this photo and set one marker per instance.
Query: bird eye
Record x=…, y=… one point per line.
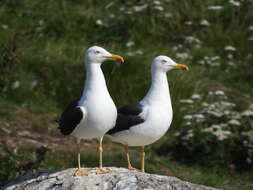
x=164, y=61
x=97, y=52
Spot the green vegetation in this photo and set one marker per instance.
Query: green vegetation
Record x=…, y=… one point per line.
x=41, y=69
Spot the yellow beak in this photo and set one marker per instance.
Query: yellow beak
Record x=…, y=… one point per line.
x=182, y=67
x=116, y=58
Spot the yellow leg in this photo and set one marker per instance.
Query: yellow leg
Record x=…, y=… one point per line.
x=129, y=166
x=100, y=148
x=142, y=159
x=78, y=160
x=80, y=171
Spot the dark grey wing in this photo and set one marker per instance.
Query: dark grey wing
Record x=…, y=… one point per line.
x=131, y=109
x=128, y=116
x=70, y=118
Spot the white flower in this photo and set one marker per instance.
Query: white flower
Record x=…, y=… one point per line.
x=248, y=160
x=230, y=63
x=250, y=28
x=230, y=48
x=188, y=22
x=128, y=12
x=130, y=43
x=179, y=46
x=159, y=8
x=182, y=55
x=195, y=96
x=226, y=112
x=168, y=15
x=204, y=23
x=99, y=22
x=225, y=104
x=250, y=38
x=5, y=27
x=214, y=113
x=212, y=106
x=186, y=101
x=191, y=39
x=245, y=143
x=234, y=122
x=230, y=56
x=199, y=116
x=208, y=130
x=216, y=127
x=218, y=131
x=222, y=135
x=219, y=93
x=235, y=115
x=223, y=125
x=139, y=52
x=34, y=83
x=235, y=3
x=188, y=117
x=201, y=62
x=188, y=123
x=197, y=46
x=204, y=104
x=112, y=15
x=139, y=8
x=247, y=113
x=188, y=135
x=157, y=2
x=176, y=134
x=215, y=58
x=15, y=85
x=213, y=64
x=109, y=5
x=215, y=7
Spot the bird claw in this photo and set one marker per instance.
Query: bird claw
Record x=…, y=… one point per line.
x=102, y=171
x=133, y=169
x=80, y=172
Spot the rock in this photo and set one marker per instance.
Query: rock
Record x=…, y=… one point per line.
x=117, y=179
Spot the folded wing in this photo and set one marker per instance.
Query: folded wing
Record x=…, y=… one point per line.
x=70, y=118
x=128, y=116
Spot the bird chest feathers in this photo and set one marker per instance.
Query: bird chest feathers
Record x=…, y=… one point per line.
x=101, y=112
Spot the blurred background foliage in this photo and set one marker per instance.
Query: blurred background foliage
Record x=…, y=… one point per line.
x=42, y=44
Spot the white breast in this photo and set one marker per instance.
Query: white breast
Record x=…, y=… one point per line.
x=157, y=122
x=100, y=117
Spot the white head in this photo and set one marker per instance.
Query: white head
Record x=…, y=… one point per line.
x=164, y=64
x=97, y=55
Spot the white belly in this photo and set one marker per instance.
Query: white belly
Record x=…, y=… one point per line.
x=146, y=133
x=99, y=118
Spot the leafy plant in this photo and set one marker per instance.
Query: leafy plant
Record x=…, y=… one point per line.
x=213, y=133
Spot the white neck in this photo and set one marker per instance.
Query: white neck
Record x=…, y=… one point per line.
x=159, y=91
x=95, y=81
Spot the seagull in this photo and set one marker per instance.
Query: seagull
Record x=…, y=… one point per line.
x=94, y=113
x=144, y=122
